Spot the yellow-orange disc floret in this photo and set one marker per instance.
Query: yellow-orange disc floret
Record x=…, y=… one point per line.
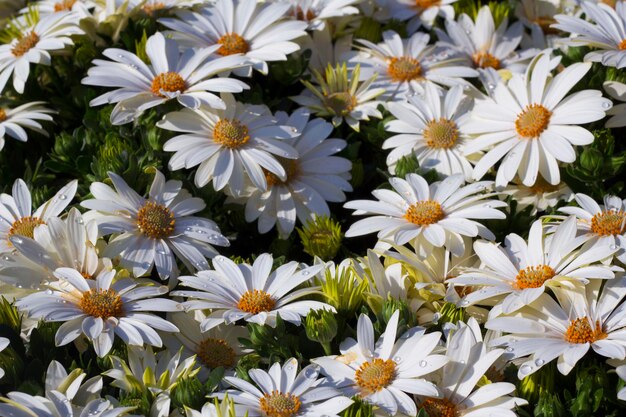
x=155, y=220
x=486, y=60
x=609, y=222
x=424, y=213
x=169, y=82
x=25, y=226
x=25, y=44
x=404, y=69
x=532, y=121
x=214, y=353
x=230, y=133
x=581, y=331
x=375, y=375
x=256, y=301
x=232, y=43
x=533, y=276
x=441, y=134
x=439, y=407
x=102, y=303
x=278, y=404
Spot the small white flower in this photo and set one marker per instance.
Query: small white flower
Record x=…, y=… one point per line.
x=540, y=196
x=317, y=176
x=385, y=373
x=69, y=242
x=603, y=225
x=438, y=215
x=404, y=65
x=580, y=318
x=13, y=121
x=316, y=12
x=186, y=77
x=521, y=270
x=606, y=32
x=251, y=292
x=420, y=12
x=431, y=127
x=50, y=34
x=81, y=8
x=16, y=212
x=156, y=229
x=470, y=361
x=285, y=392
x=100, y=309
x=530, y=124
x=484, y=44
x=229, y=145
x=259, y=31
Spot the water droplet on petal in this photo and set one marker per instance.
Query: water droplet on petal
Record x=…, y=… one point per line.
x=509, y=349
x=539, y=362
x=525, y=369
x=606, y=104
x=49, y=292
x=62, y=197
x=423, y=364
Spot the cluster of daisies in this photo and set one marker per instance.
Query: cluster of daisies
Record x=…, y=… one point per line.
x=454, y=115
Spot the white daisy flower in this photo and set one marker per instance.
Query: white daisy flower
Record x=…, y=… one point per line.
x=540, y=196
x=606, y=32
x=590, y=316
x=404, y=65
x=317, y=176
x=251, y=292
x=538, y=17
x=530, y=124
x=617, y=91
x=50, y=34
x=316, y=12
x=229, y=145
x=257, y=30
x=285, y=392
x=520, y=271
x=79, y=7
x=153, y=7
x=325, y=50
x=420, y=12
x=100, y=309
x=4, y=343
x=439, y=214
x=170, y=75
x=56, y=404
x=215, y=348
x=470, y=361
x=484, y=44
x=604, y=225
x=431, y=127
x=153, y=375
x=386, y=373
x=341, y=96
x=16, y=213
x=69, y=242
x=13, y=121
x=155, y=230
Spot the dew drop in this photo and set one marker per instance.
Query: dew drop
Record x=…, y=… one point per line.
x=509, y=349
x=62, y=197
x=17, y=240
x=539, y=362
x=397, y=359
x=306, y=272
x=606, y=104
x=423, y=364
x=612, y=247
x=49, y=292
x=80, y=220
x=464, y=303
x=525, y=369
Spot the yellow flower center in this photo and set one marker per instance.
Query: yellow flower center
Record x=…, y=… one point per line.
x=215, y=353
x=424, y=213
x=101, y=303
x=167, y=81
x=255, y=302
x=278, y=404
x=542, y=186
x=155, y=220
x=64, y=5
x=232, y=43
x=404, y=69
x=151, y=8
x=25, y=44
x=580, y=331
x=230, y=133
x=610, y=3
x=373, y=376
x=341, y=103
x=25, y=226
x=532, y=121
x=441, y=134
x=291, y=168
x=439, y=407
x=533, y=276
x=609, y=222
x=3, y=115
x=486, y=60
x=425, y=4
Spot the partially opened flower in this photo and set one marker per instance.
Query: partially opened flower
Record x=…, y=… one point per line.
x=13, y=122
x=52, y=33
x=251, y=292
x=17, y=218
x=520, y=271
x=565, y=328
x=154, y=230
x=604, y=225
x=531, y=124
x=285, y=392
x=386, y=373
x=437, y=215
x=101, y=309
x=188, y=77
x=259, y=31
x=540, y=196
x=72, y=385
x=460, y=379
x=242, y=141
